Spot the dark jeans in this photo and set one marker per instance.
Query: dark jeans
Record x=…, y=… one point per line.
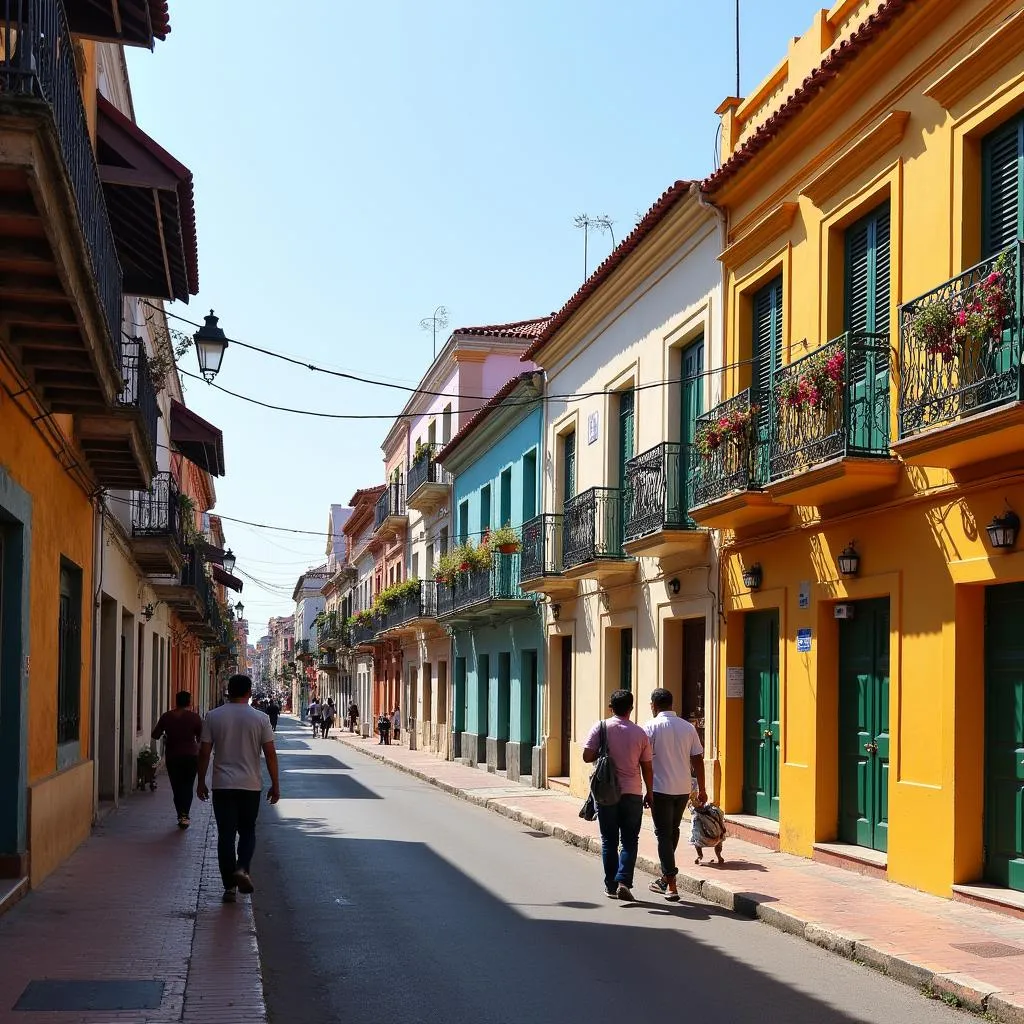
x=620, y=824
x=385, y=736
x=667, y=812
x=236, y=811
x=181, y=771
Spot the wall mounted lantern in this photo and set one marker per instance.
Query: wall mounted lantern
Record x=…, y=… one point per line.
x=752, y=577
x=556, y=611
x=673, y=584
x=1003, y=530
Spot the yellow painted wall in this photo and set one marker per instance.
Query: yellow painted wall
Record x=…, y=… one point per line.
x=925, y=548
x=60, y=818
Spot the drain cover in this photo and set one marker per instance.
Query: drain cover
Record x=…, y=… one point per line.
x=989, y=950
x=66, y=996
x=537, y=835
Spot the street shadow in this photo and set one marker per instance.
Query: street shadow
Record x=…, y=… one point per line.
x=732, y=865
x=314, y=762
x=317, y=786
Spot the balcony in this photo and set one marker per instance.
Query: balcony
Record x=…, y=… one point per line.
x=657, y=522
x=158, y=539
x=540, y=564
x=390, y=516
x=190, y=594
x=829, y=436
x=726, y=482
x=485, y=595
x=333, y=632
x=428, y=484
x=60, y=279
x=364, y=634
x=131, y=22
x=328, y=661
x=413, y=612
x=960, y=368
x=593, y=533
x=304, y=650
x=121, y=446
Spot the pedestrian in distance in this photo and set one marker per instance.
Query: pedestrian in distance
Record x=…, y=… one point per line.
x=678, y=762
x=384, y=728
x=629, y=749
x=237, y=733
x=273, y=713
x=314, y=717
x=396, y=724
x=181, y=729
x=353, y=716
x=327, y=716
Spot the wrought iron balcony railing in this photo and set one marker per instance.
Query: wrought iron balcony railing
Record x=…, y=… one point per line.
x=656, y=492
x=304, y=649
x=960, y=346
x=592, y=525
x=37, y=62
x=138, y=392
x=328, y=659
x=390, y=503
x=193, y=574
x=542, y=547
x=424, y=470
x=157, y=512
x=363, y=632
x=830, y=403
x=419, y=605
x=726, y=459
x=499, y=582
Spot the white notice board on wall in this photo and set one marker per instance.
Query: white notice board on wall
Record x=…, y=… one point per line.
x=734, y=681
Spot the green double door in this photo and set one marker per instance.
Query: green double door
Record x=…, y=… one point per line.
x=1004, y=735
x=761, y=730
x=864, y=725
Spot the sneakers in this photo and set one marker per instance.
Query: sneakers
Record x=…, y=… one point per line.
x=229, y=896
x=611, y=894
x=623, y=892
x=183, y=821
x=660, y=886
x=243, y=881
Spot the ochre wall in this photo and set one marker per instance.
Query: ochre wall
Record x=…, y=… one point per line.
x=60, y=818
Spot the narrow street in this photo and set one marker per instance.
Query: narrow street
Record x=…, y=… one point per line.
x=382, y=899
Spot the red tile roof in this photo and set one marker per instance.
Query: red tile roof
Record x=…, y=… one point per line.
x=837, y=59
x=650, y=220
x=483, y=412
x=366, y=495
x=160, y=18
x=518, y=329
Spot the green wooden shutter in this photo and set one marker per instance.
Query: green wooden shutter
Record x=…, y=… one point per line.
x=1002, y=158
x=767, y=349
x=691, y=407
x=626, y=421
x=569, y=466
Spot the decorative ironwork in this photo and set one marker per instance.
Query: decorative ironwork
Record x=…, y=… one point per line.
x=541, y=553
x=831, y=403
x=656, y=492
x=37, y=61
x=328, y=660
x=499, y=582
x=194, y=576
x=157, y=512
x=138, y=392
x=732, y=466
x=421, y=604
x=948, y=373
x=593, y=527
x=424, y=470
x=390, y=503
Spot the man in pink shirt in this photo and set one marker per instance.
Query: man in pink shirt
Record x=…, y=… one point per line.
x=630, y=751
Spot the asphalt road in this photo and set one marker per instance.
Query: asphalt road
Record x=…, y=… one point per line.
x=382, y=899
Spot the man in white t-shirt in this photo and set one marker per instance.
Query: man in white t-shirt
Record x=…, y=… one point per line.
x=678, y=758
x=237, y=733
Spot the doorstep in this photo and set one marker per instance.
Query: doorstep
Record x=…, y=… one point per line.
x=991, y=897
x=11, y=890
x=860, y=859
x=752, y=828
x=558, y=783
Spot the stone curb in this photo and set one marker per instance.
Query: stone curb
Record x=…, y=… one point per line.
x=972, y=994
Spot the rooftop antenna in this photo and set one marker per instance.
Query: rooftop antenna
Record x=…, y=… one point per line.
x=438, y=321
x=603, y=223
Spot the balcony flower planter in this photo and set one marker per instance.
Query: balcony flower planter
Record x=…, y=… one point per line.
x=736, y=428
x=818, y=384
x=506, y=540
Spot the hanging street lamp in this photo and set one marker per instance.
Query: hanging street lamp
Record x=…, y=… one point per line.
x=211, y=344
x=228, y=561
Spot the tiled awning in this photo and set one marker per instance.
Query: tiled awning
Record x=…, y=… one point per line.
x=131, y=22
x=151, y=206
x=225, y=579
x=200, y=442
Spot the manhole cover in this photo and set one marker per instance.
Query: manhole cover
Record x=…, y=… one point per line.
x=989, y=950
x=537, y=835
x=68, y=996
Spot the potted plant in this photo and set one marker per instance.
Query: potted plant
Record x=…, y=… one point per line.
x=505, y=539
x=464, y=557
x=421, y=453
x=480, y=556
x=145, y=766
x=446, y=567
x=736, y=427
x=819, y=382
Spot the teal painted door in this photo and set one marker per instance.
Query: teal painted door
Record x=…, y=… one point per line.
x=767, y=349
x=761, y=729
x=1004, y=735
x=864, y=726
x=867, y=313
x=691, y=405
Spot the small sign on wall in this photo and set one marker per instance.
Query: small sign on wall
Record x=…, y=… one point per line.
x=592, y=428
x=804, y=599
x=734, y=681
x=803, y=641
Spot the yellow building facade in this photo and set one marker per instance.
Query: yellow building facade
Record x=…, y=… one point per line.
x=871, y=681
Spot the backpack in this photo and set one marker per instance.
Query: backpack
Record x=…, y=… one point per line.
x=604, y=782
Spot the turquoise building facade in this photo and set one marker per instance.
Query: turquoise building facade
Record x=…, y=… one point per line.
x=496, y=628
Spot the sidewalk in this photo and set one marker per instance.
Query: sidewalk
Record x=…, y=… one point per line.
x=138, y=902
x=954, y=950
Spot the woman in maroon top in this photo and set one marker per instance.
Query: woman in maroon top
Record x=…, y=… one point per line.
x=182, y=728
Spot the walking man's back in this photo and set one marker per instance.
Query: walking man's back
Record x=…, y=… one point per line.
x=237, y=734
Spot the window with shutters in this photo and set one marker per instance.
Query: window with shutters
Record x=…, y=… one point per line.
x=69, y=662
x=1002, y=168
x=485, y=509
x=568, y=465
x=767, y=352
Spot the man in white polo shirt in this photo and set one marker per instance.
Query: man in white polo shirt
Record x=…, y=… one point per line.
x=678, y=758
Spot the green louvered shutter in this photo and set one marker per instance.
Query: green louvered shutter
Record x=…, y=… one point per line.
x=569, y=466
x=691, y=407
x=767, y=359
x=616, y=518
x=867, y=313
x=1002, y=157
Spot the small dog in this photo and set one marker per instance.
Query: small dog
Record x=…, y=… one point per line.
x=707, y=828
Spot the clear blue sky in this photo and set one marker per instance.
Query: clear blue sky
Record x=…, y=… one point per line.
x=358, y=164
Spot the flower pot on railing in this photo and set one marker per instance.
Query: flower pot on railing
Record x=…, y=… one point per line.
x=818, y=383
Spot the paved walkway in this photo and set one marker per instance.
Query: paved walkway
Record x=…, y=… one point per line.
x=971, y=955
x=139, y=901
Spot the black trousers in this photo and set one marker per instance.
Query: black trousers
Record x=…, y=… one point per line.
x=181, y=771
x=236, y=811
x=667, y=812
